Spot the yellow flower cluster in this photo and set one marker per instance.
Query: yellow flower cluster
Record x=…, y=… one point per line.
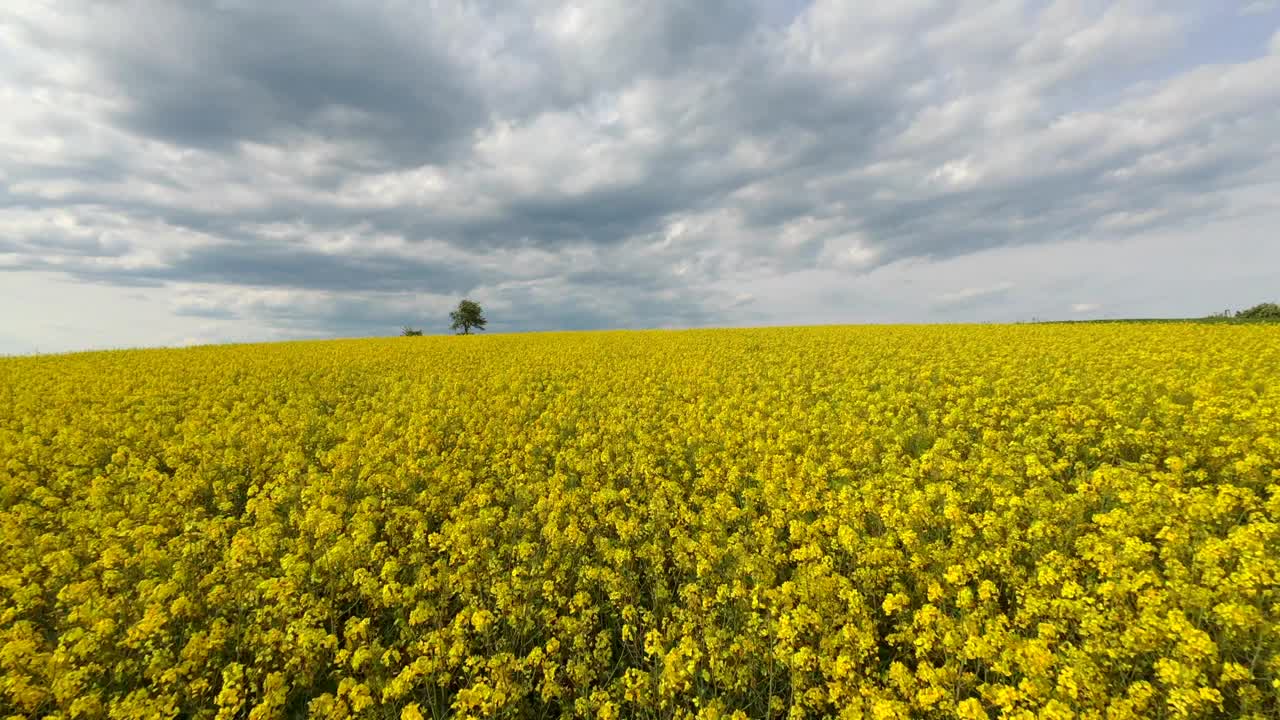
x=1047, y=521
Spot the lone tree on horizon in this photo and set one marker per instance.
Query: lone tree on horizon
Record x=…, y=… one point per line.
x=467, y=316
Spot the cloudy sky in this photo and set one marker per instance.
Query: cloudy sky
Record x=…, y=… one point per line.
x=189, y=171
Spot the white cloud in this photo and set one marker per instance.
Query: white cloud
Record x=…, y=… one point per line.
x=974, y=293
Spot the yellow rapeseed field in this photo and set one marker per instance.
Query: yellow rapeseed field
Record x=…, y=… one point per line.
x=1047, y=521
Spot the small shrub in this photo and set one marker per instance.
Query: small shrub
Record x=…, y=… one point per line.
x=1267, y=311
x=410, y=332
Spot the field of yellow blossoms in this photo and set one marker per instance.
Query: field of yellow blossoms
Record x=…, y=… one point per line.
x=1047, y=521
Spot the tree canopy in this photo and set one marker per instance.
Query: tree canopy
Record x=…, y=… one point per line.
x=1262, y=310
x=468, y=315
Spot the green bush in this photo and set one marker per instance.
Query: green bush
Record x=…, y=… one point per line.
x=1269, y=311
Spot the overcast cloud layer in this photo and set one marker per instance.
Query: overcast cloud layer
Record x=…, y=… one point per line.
x=178, y=171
